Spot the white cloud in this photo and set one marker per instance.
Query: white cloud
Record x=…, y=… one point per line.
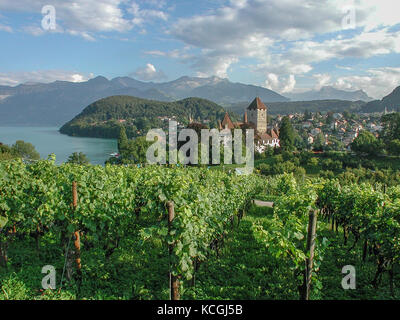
x=6, y=28
x=282, y=35
x=87, y=17
x=344, y=68
x=280, y=84
x=322, y=79
x=378, y=82
x=140, y=16
x=149, y=73
x=42, y=76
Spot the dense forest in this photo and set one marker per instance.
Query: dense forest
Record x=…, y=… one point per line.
x=105, y=117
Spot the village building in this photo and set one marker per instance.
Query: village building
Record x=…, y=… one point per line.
x=255, y=116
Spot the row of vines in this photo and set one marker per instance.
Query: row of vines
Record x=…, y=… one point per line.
x=363, y=213
x=36, y=199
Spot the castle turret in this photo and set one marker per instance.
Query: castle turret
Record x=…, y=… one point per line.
x=258, y=115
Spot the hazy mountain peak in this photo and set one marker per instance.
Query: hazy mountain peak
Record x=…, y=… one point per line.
x=391, y=103
x=329, y=92
x=98, y=79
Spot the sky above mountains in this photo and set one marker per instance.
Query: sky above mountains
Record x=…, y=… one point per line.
x=288, y=46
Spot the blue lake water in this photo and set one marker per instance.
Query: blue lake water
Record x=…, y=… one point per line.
x=48, y=140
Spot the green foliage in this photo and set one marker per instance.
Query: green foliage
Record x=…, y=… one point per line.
x=134, y=151
x=25, y=150
x=103, y=118
x=78, y=158
x=112, y=199
x=286, y=135
x=366, y=143
x=394, y=147
x=122, y=140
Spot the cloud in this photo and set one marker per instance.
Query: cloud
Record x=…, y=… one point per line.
x=378, y=82
x=286, y=37
x=322, y=80
x=278, y=19
x=6, y=28
x=364, y=45
x=143, y=15
x=149, y=73
x=42, y=76
x=87, y=17
x=280, y=84
x=344, y=68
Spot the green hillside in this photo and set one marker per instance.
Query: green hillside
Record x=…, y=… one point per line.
x=391, y=102
x=104, y=118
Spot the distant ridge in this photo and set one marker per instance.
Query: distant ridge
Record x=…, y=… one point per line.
x=57, y=102
x=391, y=102
x=330, y=93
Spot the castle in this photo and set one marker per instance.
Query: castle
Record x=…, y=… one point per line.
x=255, y=116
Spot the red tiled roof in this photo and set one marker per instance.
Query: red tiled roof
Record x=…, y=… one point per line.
x=274, y=134
x=227, y=121
x=265, y=136
x=257, y=104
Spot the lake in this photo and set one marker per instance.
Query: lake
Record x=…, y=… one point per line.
x=48, y=140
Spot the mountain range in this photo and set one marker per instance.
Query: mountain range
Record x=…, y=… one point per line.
x=330, y=93
x=391, y=102
x=58, y=102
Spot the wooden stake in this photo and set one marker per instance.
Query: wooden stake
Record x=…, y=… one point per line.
x=174, y=280
x=74, y=195
x=77, y=238
x=312, y=228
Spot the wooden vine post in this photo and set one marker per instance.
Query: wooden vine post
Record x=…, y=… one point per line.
x=312, y=228
x=174, y=280
x=77, y=239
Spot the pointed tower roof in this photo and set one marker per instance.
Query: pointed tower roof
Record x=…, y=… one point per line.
x=257, y=104
x=274, y=134
x=227, y=121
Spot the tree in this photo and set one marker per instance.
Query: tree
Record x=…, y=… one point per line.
x=25, y=150
x=391, y=127
x=136, y=150
x=319, y=142
x=366, y=143
x=122, y=140
x=394, y=147
x=6, y=152
x=346, y=115
x=334, y=144
x=286, y=135
x=78, y=158
x=313, y=162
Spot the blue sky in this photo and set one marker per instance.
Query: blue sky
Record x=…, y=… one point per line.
x=284, y=45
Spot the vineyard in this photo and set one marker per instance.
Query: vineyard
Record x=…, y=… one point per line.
x=157, y=232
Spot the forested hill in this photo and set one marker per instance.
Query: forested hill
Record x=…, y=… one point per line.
x=391, y=102
x=104, y=118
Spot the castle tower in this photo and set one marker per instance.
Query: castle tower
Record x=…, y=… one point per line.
x=257, y=114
